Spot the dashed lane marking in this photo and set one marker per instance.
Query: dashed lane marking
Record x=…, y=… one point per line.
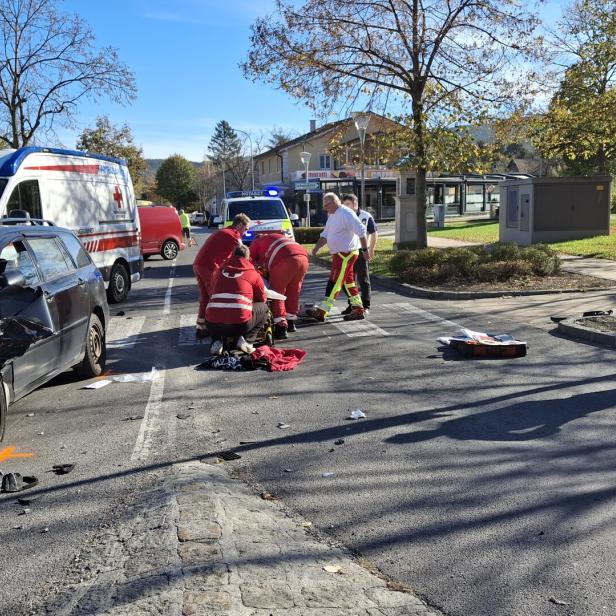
x=150, y=424
x=167, y=305
x=124, y=333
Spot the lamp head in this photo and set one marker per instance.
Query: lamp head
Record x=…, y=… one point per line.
x=305, y=158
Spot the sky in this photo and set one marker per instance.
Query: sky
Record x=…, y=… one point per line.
x=185, y=56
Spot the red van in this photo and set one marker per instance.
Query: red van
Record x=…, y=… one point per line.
x=161, y=231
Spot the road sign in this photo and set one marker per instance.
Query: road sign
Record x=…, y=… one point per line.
x=307, y=185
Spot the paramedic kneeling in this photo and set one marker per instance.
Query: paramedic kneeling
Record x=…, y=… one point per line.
x=216, y=249
x=238, y=305
x=285, y=263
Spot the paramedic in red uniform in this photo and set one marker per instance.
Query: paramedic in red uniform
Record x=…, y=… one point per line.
x=238, y=305
x=285, y=263
x=216, y=249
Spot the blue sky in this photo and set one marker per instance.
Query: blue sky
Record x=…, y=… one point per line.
x=185, y=55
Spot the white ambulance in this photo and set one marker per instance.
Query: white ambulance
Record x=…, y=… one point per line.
x=88, y=193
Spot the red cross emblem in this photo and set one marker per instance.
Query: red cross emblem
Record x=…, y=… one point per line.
x=117, y=196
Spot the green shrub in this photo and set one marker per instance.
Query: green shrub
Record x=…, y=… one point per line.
x=460, y=262
x=501, y=271
x=421, y=274
x=504, y=252
x=427, y=257
x=307, y=235
x=543, y=262
x=400, y=262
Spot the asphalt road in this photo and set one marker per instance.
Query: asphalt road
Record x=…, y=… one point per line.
x=487, y=486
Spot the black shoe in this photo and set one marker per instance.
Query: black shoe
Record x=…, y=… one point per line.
x=280, y=332
x=347, y=310
x=291, y=327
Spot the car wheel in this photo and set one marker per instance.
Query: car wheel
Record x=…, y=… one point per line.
x=95, y=356
x=2, y=410
x=170, y=250
x=118, y=284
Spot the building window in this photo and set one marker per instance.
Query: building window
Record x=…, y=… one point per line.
x=325, y=161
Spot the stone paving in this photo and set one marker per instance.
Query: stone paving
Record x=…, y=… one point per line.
x=203, y=544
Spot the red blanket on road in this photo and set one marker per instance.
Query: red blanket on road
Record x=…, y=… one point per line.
x=278, y=359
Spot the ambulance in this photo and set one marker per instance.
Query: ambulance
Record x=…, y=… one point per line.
x=265, y=209
x=90, y=194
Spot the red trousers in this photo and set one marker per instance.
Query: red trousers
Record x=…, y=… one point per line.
x=286, y=277
x=342, y=275
x=204, y=280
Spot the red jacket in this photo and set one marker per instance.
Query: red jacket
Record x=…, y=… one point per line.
x=237, y=285
x=217, y=249
x=271, y=248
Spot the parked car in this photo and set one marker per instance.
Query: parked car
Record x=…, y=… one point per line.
x=90, y=194
x=161, y=231
x=198, y=218
x=53, y=309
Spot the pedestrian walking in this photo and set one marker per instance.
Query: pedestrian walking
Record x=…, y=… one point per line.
x=362, y=269
x=345, y=237
x=284, y=263
x=185, y=222
x=216, y=250
x=238, y=305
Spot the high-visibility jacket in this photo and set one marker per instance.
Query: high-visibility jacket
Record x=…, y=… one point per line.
x=269, y=249
x=236, y=286
x=217, y=249
x=185, y=220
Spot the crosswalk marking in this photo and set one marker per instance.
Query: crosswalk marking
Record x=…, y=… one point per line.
x=186, y=334
x=357, y=329
x=421, y=316
x=123, y=333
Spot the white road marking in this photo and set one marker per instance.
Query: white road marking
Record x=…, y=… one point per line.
x=123, y=333
x=187, y=332
x=420, y=316
x=150, y=424
x=357, y=329
x=167, y=306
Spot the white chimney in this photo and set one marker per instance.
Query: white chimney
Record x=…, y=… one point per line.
x=313, y=125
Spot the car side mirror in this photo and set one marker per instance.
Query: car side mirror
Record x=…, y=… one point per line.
x=293, y=217
x=13, y=279
x=217, y=220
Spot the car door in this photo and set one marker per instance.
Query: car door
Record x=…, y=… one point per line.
x=66, y=294
x=40, y=359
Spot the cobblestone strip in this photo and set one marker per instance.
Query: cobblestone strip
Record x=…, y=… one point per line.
x=203, y=544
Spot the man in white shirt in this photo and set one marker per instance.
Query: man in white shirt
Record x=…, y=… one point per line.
x=345, y=237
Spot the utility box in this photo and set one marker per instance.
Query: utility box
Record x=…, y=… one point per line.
x=439, y=215
x=536, y=210
x=406, y=210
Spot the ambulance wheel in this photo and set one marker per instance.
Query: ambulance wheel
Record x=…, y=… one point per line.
x=93, y=362
x=170, y=250
x=2, y=410
x=118, y=284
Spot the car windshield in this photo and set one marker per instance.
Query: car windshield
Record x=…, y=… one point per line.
x=258, y=209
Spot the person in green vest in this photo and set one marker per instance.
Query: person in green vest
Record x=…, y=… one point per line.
x=185, y=222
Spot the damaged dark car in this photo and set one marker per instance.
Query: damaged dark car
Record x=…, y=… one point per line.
x=53, y=309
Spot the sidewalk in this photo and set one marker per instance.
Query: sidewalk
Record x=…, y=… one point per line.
x=203, y=544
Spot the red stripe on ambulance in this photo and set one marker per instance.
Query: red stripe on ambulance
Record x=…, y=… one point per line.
x=90, y=169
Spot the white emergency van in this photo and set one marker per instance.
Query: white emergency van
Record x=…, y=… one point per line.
x=265, y=209
x=88, y=193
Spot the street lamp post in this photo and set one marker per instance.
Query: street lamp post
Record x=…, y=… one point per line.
x=305, y=158
x=252, y=165
x=362, y=120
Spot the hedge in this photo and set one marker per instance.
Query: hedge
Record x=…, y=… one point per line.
x=307, y=235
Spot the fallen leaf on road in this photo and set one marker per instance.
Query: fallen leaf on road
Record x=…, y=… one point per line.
x=29, y=414
x=133, y=418
x=329, y=474
x=268, y=496
x=357, y=414
x=288, y=470
x=556, y=601
x=332, y=568
x=283, y=426
x=340, y=441
x=273, y=397
x=183, y=415
x=306, y=524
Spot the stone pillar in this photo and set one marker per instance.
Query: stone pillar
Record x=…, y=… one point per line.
x=406, y=211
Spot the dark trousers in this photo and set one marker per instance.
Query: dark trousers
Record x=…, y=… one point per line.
x=362, y=278
x=250, y=329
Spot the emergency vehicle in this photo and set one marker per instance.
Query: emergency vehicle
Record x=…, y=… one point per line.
x=90, y=194
x=265, y=209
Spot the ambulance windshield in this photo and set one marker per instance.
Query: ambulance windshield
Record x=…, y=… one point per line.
x=258, y=209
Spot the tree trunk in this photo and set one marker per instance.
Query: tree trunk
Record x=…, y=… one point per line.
x=420, y=183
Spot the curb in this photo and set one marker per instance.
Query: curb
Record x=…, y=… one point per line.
x=572, y=329
x=402, y=288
